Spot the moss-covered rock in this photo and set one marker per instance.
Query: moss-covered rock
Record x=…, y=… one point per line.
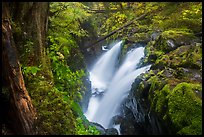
x=138, y=37
x=185, y=108
x=151, y=54
x=185, y=56
x=171, y=39
x=172, y=99
x=164, y=43
x=158, y=91
x=181, y=107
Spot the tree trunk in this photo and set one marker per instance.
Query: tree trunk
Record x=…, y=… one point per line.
x=22, y=113
x=32, y=19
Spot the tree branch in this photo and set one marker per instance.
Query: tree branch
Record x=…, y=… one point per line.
x=113, y=32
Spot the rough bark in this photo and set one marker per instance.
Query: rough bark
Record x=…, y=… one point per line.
x=32, y=19
x=22, y=112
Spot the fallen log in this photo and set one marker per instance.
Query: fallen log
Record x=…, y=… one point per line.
x=113, y=32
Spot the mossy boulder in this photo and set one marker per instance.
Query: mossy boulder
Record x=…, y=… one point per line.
x=154, y=91
x=138, y=37
x=181, y=107
x=185, y=108
x=172, y=99
x=171, y=39
x=172, y=86
x=151, y=54
x=185, y=56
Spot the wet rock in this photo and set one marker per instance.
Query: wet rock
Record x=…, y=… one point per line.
x=128, y=127
x=155, y=35
x=171, y=44
x=152, y=57
x=103, y=131
x=188, y=74
x=168, y=72
x=117, y=120
x=159, y=65
x=86, y=96
x=99, y=127
x=111, y=131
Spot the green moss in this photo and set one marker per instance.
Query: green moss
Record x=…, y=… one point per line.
x=162, y=100
x=53, y=108
x=151, y=53
x=156, y=85
x=184, y=56
x=193, y=57
x=137, y=37
x=179, y=36
x=185, y=108
x=141, y=86
x=180, y=106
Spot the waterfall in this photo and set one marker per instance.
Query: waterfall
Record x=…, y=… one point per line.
x=113, y=84
x=104, y=68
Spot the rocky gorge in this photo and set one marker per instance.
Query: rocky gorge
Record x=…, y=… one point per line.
x=168, y=98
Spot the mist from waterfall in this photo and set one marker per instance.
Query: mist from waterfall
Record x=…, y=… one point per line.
x=111, y=85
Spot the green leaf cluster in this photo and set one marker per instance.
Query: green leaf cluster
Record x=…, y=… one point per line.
x=30, y=70
x=179, y=15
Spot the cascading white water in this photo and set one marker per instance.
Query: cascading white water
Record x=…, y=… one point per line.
x=100, y=76
x=103, y=107
x=104, y=68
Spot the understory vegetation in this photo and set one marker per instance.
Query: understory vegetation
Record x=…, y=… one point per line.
x=172, y=32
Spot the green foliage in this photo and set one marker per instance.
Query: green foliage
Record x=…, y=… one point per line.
x=185, y=108
x=82, y=130
x=65, y=79
x=179, y=15
x=56, y=100
x=31, y=70
x=66, y=18
x=53, y=108
x=114, y=21
x=65, y=31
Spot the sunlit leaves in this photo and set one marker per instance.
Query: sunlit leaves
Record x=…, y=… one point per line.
x=179, y=15
x=67, y=17
x=30, y=70
x=114, y=21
